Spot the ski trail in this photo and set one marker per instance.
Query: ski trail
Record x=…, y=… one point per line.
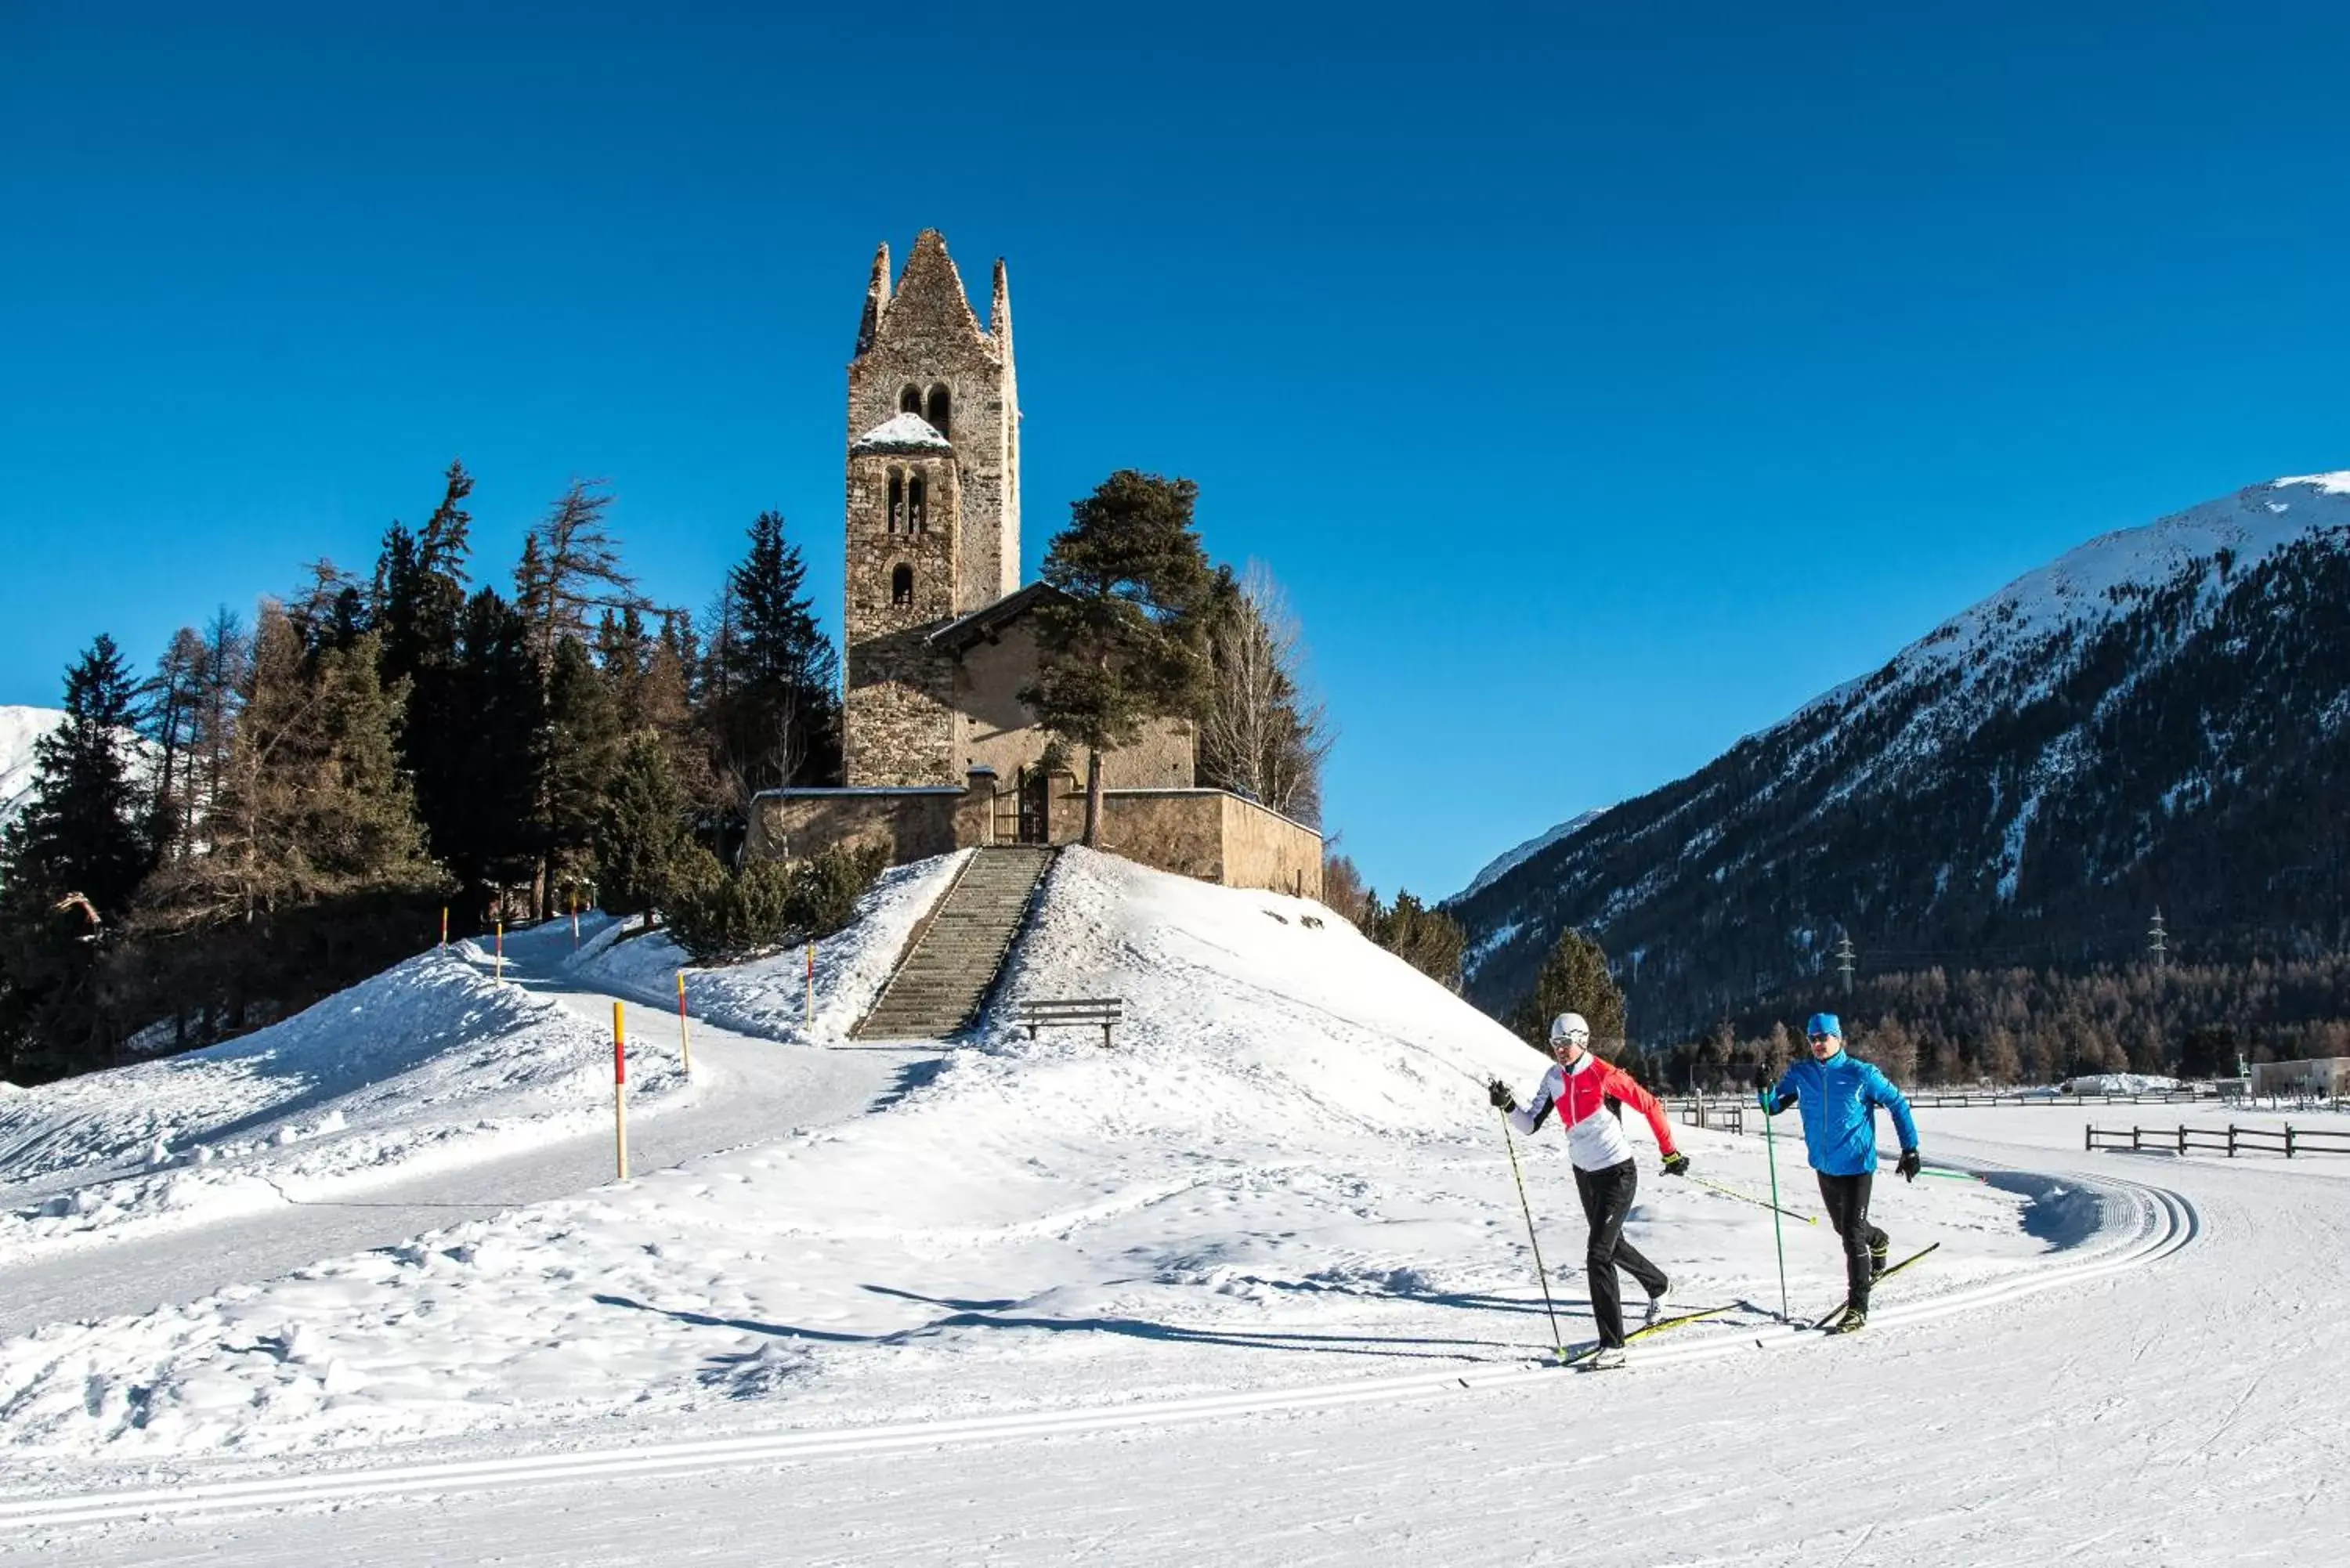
x=2162, y=1223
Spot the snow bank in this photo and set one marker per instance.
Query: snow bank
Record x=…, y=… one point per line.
x=769, y=996
x=1286, y=1170
x=431, y=1060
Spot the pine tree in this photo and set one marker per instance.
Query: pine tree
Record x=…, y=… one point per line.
x=576, y=751
x=775, y=707
x=491, y=805
x=644, y=830
x=1428, y=938
x=1574, y=978
x=421, y=603
x=1125, y=641
x=69, y=868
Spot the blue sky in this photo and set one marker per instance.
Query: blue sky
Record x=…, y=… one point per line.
x=1601, y=385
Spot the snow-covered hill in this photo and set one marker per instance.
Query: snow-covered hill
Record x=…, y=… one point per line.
x=1285, y=1171
x=2155, y=719
x=20, y=728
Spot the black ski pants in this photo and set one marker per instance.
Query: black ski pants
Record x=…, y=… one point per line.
x=1607, y=1200
x=1846, y=1198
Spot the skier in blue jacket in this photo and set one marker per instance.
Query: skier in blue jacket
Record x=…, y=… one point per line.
x=1839, y=1096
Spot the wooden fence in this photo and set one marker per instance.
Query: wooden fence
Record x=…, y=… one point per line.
x=2288, y=1141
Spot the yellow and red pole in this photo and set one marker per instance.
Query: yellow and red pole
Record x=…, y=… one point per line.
x=684, y=1033
x=620, y=1086
x=499, y=970
x=444, y=927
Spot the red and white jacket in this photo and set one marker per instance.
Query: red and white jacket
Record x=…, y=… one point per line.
x=1594, y=1139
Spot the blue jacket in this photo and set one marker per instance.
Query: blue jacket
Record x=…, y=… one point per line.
x=1839, y=1099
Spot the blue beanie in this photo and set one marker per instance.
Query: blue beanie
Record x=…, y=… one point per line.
x=1823, y=1023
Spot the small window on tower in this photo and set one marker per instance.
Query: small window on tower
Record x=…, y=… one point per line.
x=901, y=586
x=916, y=520
x=897, y=499
x=910, y=399
x=940, y=411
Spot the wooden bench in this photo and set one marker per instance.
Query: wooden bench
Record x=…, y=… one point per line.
x=1104, y=1011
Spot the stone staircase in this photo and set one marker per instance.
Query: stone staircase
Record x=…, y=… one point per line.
x=939, y=987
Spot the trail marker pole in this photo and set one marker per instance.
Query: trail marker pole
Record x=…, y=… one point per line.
x=1771, y=1150
x=620, y=1086
x=811, y=987
x=444, y=928
x=499, y=971
x=684, y=1035
x=1558, y=1344
x=575, y=922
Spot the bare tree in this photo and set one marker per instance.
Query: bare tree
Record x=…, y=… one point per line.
x=571, y=565
x=1263, y=734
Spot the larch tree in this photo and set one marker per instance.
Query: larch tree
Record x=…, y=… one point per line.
x=1261, y=733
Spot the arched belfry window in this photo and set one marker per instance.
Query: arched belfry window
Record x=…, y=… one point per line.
x=909, y=399
x=917, y=505
x=897, y=499
x=901, y=585
x=940, y=412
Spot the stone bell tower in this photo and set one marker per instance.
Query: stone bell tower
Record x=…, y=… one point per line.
x=933, y=522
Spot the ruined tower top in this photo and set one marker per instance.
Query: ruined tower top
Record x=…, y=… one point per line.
x=921, y=350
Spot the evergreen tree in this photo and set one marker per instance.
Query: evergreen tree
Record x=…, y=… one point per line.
x=69, y=868
x=1428, y=938
x=1125, y=640
x=1574, y=978
x=644, y=830
x=421, y=603
x=490, y=807
x=774, y=710
x=576, y=751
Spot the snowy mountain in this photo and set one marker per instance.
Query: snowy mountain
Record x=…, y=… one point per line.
x=1510, y=860
x=2155, y=719
x=20, y=727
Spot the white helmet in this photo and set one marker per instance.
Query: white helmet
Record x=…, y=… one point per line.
x=1569, y=1026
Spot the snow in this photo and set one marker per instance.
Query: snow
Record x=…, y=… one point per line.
x=901, y=431
x=20, y=728
x=1289, y=1145
x=1252, y=1285
x=1510, y=860
x=769, y=997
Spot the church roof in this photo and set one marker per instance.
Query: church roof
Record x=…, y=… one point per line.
x=984, y=625
x=904, y=432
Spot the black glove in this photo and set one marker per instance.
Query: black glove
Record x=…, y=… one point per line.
x=1762, y=1078
x=1908, y=1165
x=1498, y=1093
x=1675, y=1164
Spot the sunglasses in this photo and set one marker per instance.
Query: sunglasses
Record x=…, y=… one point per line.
x=1816, y=1039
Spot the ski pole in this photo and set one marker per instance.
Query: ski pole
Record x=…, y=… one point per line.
x=1750, y=1197
x=1557, y=1343
x=1770, y=1152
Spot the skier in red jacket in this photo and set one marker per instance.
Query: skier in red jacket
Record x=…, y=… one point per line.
x=1580, y=1087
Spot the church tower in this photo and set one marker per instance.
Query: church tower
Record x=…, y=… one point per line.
x=933, y=507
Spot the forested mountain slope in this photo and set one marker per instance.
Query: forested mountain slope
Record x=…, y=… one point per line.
x=2157, y=718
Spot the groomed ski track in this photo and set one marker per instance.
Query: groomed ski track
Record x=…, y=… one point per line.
x=1550, y=1411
